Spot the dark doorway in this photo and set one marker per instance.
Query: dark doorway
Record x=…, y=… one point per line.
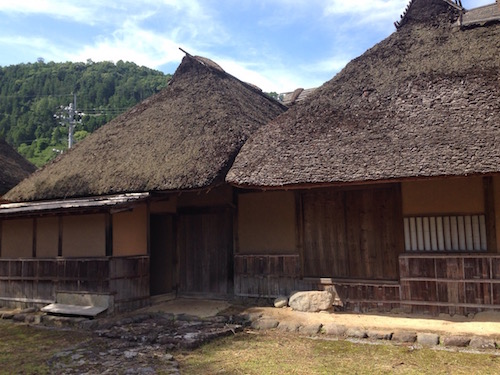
x=163, y=255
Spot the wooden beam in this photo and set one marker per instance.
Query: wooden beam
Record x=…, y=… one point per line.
x=489, y=212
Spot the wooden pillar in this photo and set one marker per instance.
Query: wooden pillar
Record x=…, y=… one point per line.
x=489, y=213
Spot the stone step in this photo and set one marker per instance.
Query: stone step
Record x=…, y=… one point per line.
x=73, y=310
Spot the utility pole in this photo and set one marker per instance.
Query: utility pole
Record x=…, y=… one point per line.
x=69, y=116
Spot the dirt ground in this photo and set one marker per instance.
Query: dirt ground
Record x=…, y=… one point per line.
x=485, y=324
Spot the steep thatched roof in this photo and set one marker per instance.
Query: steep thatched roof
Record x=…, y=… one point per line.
x=14, y=167
x=185, y=137
x=423, y=102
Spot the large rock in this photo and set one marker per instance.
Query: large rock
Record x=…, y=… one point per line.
x=428, y=339
x=312, y=301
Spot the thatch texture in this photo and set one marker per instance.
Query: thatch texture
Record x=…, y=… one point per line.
x=481, y=15
x=13, y=167
x=423, y=102
x=185, y=137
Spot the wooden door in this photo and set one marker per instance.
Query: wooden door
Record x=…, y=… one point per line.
x=353, y=233
x=163, y=255
x=205, y=246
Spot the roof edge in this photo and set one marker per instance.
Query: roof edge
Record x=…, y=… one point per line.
x=457, y=4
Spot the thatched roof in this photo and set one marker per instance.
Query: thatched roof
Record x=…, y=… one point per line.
x=424, y=102
x=185, y=137
x=14, y=167
x=481, y=15
x=293, y=97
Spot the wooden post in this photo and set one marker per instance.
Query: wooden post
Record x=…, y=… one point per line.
x=489, y=213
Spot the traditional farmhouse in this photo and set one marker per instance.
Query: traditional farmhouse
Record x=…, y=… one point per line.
x=140, y=207
x=383, y=186
x=14, y=168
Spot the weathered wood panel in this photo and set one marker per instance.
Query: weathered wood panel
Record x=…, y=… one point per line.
x=353, y=233
x=360, y=296
x=205, y=246
x=265, y=276
x=34, y=282
x=129, y=282
x=452, y=284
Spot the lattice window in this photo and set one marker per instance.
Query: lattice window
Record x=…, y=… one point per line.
x=445, y=233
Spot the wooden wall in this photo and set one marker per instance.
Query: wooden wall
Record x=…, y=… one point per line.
x=34, y=282
x=352, y=233
x=205, y=247
x=270, y=276
x=451, y=284
x=266, y=276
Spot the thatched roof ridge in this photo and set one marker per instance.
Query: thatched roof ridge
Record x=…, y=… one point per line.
x=185, y=137
x=14, y=168
x=481, y=15
x=428, y=10
x=421, y=103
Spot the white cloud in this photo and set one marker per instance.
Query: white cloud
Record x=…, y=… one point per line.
x=131, y=43
x=36, y=45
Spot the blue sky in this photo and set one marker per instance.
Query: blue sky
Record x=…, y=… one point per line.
x=278, y=45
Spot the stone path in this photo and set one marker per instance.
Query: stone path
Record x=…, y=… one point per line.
x=136, y=344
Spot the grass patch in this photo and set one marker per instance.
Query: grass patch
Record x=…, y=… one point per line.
x=26, y=350
x=279, y=353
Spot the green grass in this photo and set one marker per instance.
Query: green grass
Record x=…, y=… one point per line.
x=278, y=353
x=26, y=350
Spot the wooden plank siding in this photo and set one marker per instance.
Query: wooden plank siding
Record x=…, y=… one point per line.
x=205, y=246
x=34, y=282
x=353, y=233
x=450, y=284
x=266, y=276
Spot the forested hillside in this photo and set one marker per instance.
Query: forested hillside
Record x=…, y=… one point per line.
x=31, y=94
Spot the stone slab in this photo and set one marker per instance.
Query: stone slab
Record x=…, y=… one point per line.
x=73, y=310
